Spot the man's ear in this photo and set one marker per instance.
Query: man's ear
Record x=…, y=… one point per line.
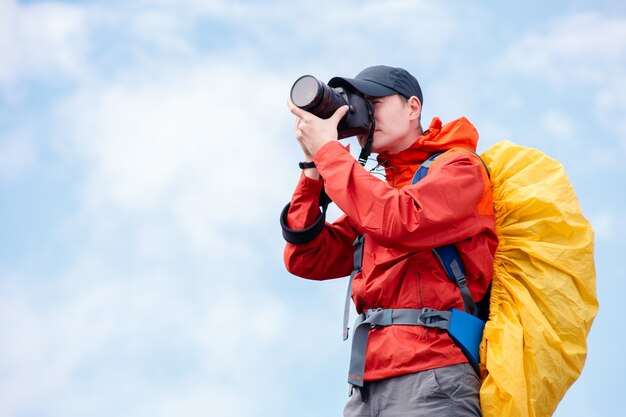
x=415, y=108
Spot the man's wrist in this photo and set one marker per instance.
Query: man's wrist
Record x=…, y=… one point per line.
x=309, y=170
x=306, y=164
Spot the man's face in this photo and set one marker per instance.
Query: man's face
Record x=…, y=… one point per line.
x=393, y=131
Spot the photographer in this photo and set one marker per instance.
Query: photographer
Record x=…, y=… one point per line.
x=408, y=369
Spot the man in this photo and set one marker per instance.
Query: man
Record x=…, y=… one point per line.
x=409, y=369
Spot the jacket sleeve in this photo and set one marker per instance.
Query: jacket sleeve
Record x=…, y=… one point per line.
x=330, y=254
x=438, y=210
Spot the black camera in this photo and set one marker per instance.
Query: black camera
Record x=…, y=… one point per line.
x=314, y=96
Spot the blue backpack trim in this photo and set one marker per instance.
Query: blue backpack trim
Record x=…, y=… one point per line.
x=466, y=331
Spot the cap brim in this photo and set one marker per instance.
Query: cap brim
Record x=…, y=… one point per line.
x=369, y=88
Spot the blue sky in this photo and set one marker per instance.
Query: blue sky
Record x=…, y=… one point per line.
x=146, y=151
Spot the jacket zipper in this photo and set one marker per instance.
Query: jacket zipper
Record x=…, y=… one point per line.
x=420, y=290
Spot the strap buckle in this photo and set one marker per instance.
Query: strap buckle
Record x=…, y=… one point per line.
x=426, y=316
x=430, y=317
x=379, y=317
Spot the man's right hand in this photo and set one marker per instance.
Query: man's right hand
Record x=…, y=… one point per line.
x=313, y=132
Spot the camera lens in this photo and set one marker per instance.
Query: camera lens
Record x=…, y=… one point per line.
x=306, y=91
x=314, y=96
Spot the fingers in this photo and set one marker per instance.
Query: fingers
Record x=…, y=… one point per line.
x=339, y=113
x=297, y=110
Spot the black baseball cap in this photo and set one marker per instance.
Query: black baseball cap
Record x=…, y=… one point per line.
x=380, y=81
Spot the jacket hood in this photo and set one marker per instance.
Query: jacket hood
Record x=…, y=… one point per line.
x=401, y=166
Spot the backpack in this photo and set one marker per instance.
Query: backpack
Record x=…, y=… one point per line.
x=543, y=295
x=542, y=298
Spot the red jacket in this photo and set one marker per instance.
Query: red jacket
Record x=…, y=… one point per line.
x=401, y=223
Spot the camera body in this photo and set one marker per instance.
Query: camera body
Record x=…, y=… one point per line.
x=312, y=95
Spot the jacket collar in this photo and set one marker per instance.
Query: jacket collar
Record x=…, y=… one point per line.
x=401, y=166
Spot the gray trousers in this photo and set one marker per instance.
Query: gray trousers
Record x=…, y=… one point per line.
x=451, y=391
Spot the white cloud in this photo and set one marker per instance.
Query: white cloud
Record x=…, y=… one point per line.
x=584, y=48
x=44, y=39
x=610, y=108
x=607, y=225
x=349, y=34
x=204, y=145
x=559, y=125
x=181, y=164
x=41, y=40
x=97, y=343
x=582, y=57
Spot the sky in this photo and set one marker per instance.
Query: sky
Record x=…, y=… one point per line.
x=146, y=151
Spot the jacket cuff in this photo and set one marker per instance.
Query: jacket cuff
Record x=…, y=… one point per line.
x=308, y=185
x=307, y=197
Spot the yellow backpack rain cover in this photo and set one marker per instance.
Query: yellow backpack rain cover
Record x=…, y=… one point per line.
x=543, y=297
